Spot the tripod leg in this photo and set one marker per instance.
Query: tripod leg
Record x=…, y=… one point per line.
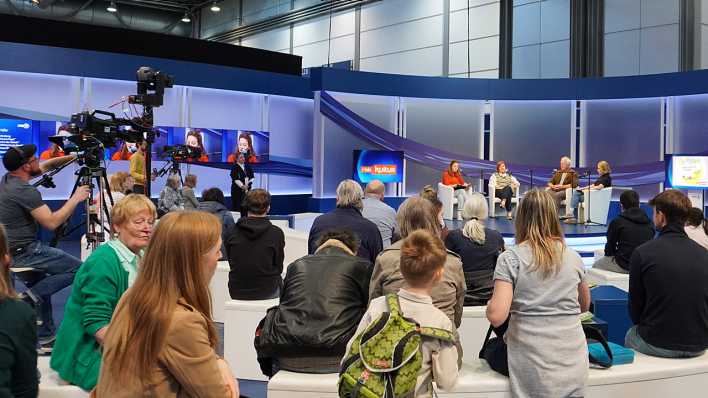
x=59, y=232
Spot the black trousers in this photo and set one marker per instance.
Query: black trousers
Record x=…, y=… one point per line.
x=237, y=198
x=506, y=193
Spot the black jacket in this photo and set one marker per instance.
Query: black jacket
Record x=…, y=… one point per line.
x=350, y=219
x=323, y=299
x=256, y=252
x=237, y=173
x=668, y=291
x=629, y=230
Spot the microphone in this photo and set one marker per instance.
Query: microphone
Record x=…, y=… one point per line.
x=554, y=171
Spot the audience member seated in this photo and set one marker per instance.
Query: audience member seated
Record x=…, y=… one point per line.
x=479, y=248
x=162, y=338
x=453, y=177
x=624, y=234
x=422, y=259
x=213, y=202
x=190, y=201
x=347, y=215
x=413, y=214
x=603, y=181
x=562, y=179
x=99, y=283
x=18, y=336
x=21, y=209
x=171, y=196
x=324, y=297
x=504, y=185
x=539, y=288
x=668, y=286
x=256, y=252
x=429, y=193
x=697, y=227
x=378, y=212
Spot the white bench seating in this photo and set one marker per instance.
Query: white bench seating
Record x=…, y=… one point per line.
x=602, y=277
x=647, y=377
x=219, y=288
x=51, y=386
x=473, y=329
x=240, y=321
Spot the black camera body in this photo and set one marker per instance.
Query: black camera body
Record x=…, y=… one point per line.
x=151, y=87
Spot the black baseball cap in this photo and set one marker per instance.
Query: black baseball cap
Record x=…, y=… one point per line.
x=17, y=156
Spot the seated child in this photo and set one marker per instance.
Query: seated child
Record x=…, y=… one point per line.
x=422, y=263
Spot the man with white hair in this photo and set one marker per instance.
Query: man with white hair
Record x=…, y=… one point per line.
x=347, y=216
x=379, y=212
x=562, y=179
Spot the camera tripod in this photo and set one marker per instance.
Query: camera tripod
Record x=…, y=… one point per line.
x=95, y=223
x=172, y=167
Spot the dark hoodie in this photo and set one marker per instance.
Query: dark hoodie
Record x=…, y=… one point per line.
x=626, y=232
x=255, y=250
x=227, y=220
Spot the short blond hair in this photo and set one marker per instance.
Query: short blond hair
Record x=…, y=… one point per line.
x=350, y=194
x=118, y=182
x=190, y=181
x=129, y=207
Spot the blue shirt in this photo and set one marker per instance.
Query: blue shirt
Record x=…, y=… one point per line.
x=383, y=216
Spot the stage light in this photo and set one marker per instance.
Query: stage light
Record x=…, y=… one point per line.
x=215, y=7
x=186, y=18
x=42, y=4
x=113, y=7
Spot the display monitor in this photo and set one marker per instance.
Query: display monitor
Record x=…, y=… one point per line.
x=255, y=145
x=686, y=171
x=14, y=132
x=385, y=166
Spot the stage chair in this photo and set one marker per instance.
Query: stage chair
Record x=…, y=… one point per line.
x=493, y=200
x=599, y=205
x=446, y=194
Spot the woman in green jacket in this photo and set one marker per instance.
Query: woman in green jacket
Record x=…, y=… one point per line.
x=100, y=282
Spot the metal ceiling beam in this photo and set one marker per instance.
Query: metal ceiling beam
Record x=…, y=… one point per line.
x=287, y=18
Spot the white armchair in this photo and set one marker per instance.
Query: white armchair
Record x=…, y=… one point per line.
x=493, y=199
x=599, y=201
x=446, y=195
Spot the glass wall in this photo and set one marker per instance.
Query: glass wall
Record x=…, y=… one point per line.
x=641, y=37
x=690, y=124
x=541, y=39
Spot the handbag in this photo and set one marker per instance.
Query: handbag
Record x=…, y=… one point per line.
x=601, y=361
x=494, y=350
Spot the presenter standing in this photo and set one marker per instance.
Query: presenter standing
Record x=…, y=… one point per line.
x=453, y=177
x=241, y=181
x=562, y=179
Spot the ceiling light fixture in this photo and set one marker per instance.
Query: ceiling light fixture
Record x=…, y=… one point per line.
x=186, y=18
x=215, y=7
x=113, y=7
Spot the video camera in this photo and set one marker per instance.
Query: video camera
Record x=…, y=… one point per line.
x=182, y=152
x=90, y=133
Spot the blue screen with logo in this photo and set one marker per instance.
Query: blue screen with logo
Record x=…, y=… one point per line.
x=15, y=132
x=385, y=166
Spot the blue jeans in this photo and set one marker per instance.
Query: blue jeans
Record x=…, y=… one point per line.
x=578, y=197
x=634, y=341
x=56, y=269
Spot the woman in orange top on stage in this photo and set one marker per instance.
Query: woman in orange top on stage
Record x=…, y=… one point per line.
x=244, y=146
x=453, y=177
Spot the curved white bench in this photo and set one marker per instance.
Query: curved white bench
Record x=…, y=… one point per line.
x=602, y=277
x=473, y=330
x=240, y=321
x=219, y=288
x=295, y=246
x=52, y=386
x=647, y=377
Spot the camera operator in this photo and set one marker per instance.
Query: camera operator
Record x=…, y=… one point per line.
x=21, y=209
x=137, y=168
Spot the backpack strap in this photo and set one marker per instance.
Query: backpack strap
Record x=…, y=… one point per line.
x=437, y=333
x=595, y=334
x=394, y=306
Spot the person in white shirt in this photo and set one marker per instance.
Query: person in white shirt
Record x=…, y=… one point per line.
x=697, y=227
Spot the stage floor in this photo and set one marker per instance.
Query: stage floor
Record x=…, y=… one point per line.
x=506, y=227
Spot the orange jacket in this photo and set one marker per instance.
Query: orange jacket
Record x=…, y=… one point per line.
x=452, y=179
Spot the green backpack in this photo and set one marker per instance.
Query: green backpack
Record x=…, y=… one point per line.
x=384, y=360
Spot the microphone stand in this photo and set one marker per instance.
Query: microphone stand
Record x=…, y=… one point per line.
x=589, y=221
